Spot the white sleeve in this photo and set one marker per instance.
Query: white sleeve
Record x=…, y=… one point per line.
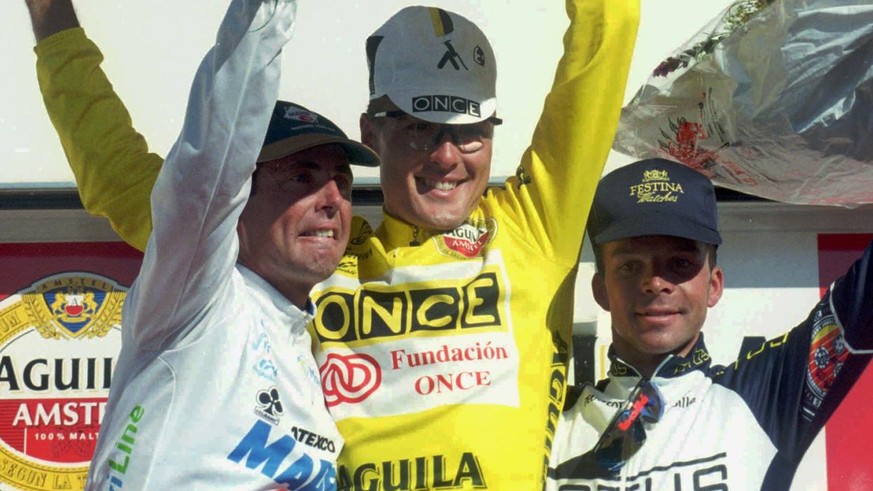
x=205, y=181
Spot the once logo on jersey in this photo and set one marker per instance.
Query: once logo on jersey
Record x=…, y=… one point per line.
x=349, y=378
x=58, y=342
x=468, y=240
x=470, y=304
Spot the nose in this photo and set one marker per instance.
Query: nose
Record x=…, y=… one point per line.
x=446, y=152
x=655, y=282
x=331, y=197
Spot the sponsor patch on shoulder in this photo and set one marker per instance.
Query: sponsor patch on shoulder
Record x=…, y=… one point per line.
x=827, y=353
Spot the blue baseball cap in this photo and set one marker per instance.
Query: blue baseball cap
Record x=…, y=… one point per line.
x=654, y=197
x=294, y=128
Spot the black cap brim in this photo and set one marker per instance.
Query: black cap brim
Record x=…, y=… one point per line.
x=357, y=153
x=655, y=223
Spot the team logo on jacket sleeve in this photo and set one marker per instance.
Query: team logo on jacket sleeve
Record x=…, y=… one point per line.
x=827, y=353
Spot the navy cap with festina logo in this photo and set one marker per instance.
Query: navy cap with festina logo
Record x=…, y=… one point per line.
x=654, y=197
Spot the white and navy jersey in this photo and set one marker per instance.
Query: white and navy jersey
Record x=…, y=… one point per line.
x=216, y=386
x=743, y=426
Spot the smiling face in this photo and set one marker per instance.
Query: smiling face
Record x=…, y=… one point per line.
x=295, y=226
x=657, y=290
x=434, y=186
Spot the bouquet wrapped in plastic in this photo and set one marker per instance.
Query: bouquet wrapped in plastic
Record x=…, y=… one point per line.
x=772, y=98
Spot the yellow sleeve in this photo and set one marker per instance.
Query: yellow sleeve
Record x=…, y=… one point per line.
x=554, y=185
x=111, y=162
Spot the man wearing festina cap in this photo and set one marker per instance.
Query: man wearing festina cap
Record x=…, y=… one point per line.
x=216, y=361
x=666, y=418
x=443, y=337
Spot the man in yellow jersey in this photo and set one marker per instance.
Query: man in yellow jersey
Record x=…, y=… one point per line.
x=443, y=337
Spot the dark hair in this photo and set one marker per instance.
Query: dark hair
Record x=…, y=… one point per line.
x=380, y=104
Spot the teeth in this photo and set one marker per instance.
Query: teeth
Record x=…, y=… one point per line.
x=442, y=186
x=324, y=233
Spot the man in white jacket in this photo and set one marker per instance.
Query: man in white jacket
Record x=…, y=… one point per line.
x=216, y=386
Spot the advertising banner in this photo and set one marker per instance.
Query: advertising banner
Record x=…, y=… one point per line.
x=60, y=332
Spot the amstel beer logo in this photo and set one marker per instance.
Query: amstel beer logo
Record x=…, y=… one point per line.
x=469, y=239
x=58, y=344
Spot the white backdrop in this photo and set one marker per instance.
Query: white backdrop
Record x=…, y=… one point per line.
x=153, y=47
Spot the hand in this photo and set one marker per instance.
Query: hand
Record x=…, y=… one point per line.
x=51, y=16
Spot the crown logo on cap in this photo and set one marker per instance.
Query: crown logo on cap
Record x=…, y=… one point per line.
x=656, y=188
x=655, y=175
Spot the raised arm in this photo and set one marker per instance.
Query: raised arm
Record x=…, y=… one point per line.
x=113, y=168
x=795, y=382
x=852, y=298
x=558, y=173
x=204, y=184
x=51, y=16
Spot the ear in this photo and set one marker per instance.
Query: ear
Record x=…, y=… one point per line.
x=716, y=286
x=598, y=288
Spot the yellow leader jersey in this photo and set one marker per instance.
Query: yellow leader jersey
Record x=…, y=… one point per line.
x=443, y=355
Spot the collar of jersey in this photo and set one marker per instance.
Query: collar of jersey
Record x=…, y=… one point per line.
x=674, y=366
x=395, y=232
